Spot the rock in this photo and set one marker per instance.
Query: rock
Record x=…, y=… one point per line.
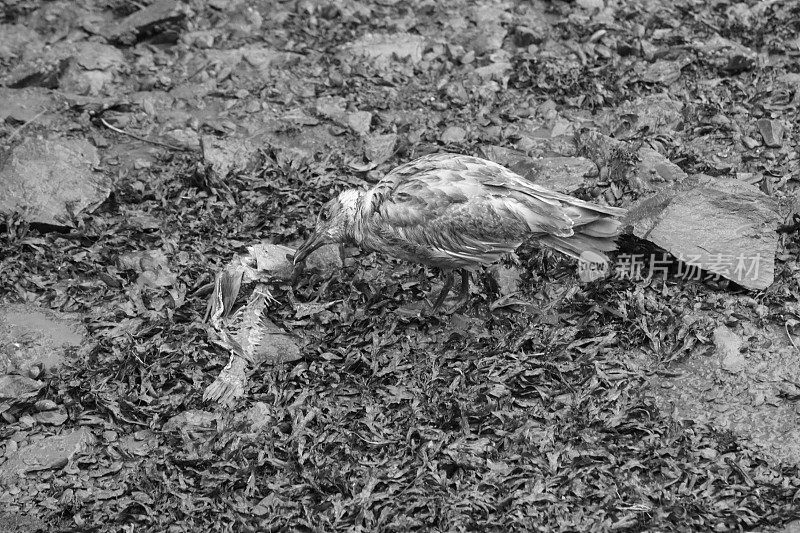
x=723, y=226
x=333, y=107
x=190, y=420
x=525, y=36
x=791, y=527
x=497, y=70
x=487, y=37
x=37, y=74
x=98, y=56
x=271, y=503
x=26, y=422
x=135, y=25
x=737, y=64
x=790, y=78
x=260, y=62
x=453, y=134
x=139, y=443
x=90, y=82
x=663, y=71
x=325, y=258
x=730, y=56
x=729, y=346
x=16, y=388
x=52, y=452
x=385, y=47
x=25, y=105
x=644, y=169
x=654, y=171
x=82, y=67
x=273, y=258
x=36, y=339
x=655, y=113
x=229, y=155
x=359, y=121
x=262, y=57
x=298, y=148
x=200, y=38
x=183, y=137
x=18, y=40
x=591, y=5
x=535, y=146
x=48, y=180
x=379, y=148
x=508, y=278
x=152, y=266
x=771, y=131
x=51, y=418
x=509, y=158
x=720, y=153
x=259, y=416
x=750, y=143
x=46, y=405
x=562, y=174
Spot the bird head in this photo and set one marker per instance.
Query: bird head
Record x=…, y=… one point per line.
x=334, y=223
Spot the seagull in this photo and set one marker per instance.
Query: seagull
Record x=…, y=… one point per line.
x=457, y=213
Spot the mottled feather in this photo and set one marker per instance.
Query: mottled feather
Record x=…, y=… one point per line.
x=455, y=211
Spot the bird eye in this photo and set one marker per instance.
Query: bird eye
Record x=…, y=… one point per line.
x=323, y=215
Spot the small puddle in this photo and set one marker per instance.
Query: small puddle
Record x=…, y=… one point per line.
x=760, y=401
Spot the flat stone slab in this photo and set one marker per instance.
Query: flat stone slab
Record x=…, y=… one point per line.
x=52, y=452
x=26, y=105
x=48, y=179
x=14, y=387
x=723, y=226
x=564, y=174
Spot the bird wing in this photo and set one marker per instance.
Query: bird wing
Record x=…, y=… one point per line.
x=460, y=210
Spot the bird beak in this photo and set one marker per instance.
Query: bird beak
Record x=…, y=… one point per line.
x=312, y=243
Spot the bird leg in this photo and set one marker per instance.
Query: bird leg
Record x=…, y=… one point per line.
x=463, y=292
x=448, y=284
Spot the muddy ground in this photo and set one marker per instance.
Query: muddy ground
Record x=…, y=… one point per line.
x=145, y=145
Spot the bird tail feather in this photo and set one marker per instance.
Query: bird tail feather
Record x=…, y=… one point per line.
x=595, y=230
x=579, y=244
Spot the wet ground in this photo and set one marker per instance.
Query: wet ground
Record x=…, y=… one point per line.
x=146, y=145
